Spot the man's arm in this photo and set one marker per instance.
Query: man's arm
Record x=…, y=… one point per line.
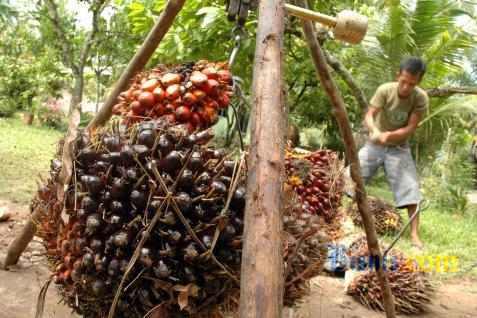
x=369, y=121
x=399, y=135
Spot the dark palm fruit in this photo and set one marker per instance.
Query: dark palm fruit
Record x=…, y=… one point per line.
x=164, y=145
x=123, y=265
x=106, y=197
x=195, y=161
x=218, y=187
x=87, y=261
x=238, y=199
x=92, y=184
x=161, y=270
x=87, y=156
x=141, y=151
x=203, y=137
x=93, y=222
x=114, y=157
x=98, y=287
x=127, y=155
x=116, y=207
x=229, y=166
x=119, y=188
x=225, y=180
x=202, y=182
x=200, y=212
x=219, y=153
x=146, y=257
x=146, y=137
x=80, y=244
x=184, y=201
x=121, y=239
x=96, y=245
x=175, y=236
x=81, y=213
x=132, y=174
x=229, y=232
x=112, y=143
x=101, y=166
x=113, y=267
x=151, y=165
x=89, y=204
x=75, y=275
x=186, y=179
x=172, y=161
x=100, y=263
x=138, y=199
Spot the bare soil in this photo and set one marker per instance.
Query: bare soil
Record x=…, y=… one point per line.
x=19, y=287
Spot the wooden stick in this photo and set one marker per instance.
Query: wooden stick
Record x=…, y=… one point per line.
x=339, y=111
x=261, y=292
x=139, y=60
x=310, y=15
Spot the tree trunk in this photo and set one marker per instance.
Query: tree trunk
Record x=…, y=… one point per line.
x=339, y=111
x=261, y=286
x=139, y=60
x=77, y=92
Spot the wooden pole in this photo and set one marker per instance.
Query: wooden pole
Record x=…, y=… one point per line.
x=261, y=286
x=339, y=111
x=139, y=60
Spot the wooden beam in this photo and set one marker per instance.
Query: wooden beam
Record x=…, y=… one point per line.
x=139, y=60
x=261, y=286
x=339, y=111
x=449, y=91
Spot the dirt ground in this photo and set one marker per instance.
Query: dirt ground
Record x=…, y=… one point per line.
x=20, y=286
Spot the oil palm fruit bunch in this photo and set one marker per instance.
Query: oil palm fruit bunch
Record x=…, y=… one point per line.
x=410, y=286
x=305, y=249
x=190, y=94
x=386, y=219
x=317, y=179
x=153, y=202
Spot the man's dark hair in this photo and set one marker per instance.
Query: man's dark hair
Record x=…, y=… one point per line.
x=414, y=65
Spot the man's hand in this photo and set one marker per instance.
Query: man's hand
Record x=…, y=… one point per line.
x=383, y=138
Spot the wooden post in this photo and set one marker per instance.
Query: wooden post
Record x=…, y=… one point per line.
x=261, y=286
x=139, y=60
x=339, y=111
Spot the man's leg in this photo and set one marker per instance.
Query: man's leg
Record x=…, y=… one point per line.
x=401, y=173
x=416, y=241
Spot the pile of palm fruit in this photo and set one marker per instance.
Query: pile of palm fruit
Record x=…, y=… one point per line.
x=152, y=221
x=410, y=286
x=386, y=219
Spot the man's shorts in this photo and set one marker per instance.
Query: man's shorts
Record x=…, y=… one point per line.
x=399, y=168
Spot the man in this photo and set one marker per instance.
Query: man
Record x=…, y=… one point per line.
x=393, y=115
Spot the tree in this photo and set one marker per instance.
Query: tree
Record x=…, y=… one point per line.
x=74, y=47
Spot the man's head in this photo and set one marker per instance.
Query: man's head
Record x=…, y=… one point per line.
x=411, y=71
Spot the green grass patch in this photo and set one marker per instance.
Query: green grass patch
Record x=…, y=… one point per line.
x=25, y=153
x=443, y=233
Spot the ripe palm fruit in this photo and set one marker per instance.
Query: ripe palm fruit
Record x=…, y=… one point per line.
x=192, y=94
x=317, y=179
x=386, y=219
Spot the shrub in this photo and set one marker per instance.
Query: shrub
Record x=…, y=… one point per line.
x=51, y=115
x=7, y=107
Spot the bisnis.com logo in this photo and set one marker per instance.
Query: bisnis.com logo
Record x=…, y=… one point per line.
x=423, y=263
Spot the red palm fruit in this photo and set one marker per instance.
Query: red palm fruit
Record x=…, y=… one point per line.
x=170, y=79
x=177, y=102
x=211, y=73
x=225, y=76
x=199, y=94
x=183, y=114
x=211, y=88
x=147, y=100
x=136, y=108
x=159, y=94
x=117, y=109
x=223, y=100
x=195, y=120
x=169, y=108
x=173, y=91
x=150, y=85
x=198, y=78
x=211, y=114
x=160, y=109
x=189, y=99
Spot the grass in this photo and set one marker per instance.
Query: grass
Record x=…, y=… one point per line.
x=25, y=153
x=443, y=233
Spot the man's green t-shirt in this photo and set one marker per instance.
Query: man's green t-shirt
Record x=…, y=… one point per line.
x=395, y=111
